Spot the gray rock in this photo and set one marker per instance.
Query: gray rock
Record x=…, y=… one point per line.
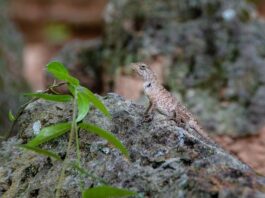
x=11, y=80
x=215, y=48
x=165, y=160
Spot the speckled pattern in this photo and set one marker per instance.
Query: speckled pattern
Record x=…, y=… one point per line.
x=163, y=101
x=165, y=160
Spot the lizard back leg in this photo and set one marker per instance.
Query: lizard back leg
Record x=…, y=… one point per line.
x=179, y=119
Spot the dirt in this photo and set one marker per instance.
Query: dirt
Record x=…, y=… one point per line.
x=248, y=149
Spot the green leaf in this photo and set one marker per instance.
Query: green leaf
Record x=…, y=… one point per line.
x=11, y=117
x=96, y=102
x=106, y=135
x=57, y=68
x=72, y=80
x=59, y=71
x=72, y=89
x=106, y=192
x=52, y=97
x=41, y=151
x=49, y=133
x=83, y=105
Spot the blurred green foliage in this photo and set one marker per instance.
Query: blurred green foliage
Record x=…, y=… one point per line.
x=57, y=33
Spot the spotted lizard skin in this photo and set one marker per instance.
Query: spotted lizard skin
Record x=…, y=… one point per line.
x=163, y=101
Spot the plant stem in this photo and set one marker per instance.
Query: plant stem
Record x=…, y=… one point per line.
x=71, y=137
x=78, y=153
x=77, y=146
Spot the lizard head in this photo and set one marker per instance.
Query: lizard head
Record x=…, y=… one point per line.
x=151, y=84
x=143, y=70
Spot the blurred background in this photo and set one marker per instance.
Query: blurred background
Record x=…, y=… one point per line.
x=209, y=54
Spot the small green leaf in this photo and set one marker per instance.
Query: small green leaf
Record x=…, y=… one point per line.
x=57, y=68
x=11, y=117
x=106, y=192
x=96, y=102
x=41, y=151
x=52, y=97
x=49, y=133
x=106, y=135
x=59, y=71
x=83, y=105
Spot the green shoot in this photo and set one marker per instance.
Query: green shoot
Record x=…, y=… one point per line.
x=82, y=98
x=11, y=117
x=49, y=133
x=41, y=151
x=51, y=97
x=106, y=192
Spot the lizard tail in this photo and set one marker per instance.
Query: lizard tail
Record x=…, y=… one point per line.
x=193, y=124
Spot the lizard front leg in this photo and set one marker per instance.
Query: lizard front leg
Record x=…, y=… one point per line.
x=148, y=114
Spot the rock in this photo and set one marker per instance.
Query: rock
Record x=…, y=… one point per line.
x=256, y=110
x=11, y=80
x=216, y=50
x=165, y=160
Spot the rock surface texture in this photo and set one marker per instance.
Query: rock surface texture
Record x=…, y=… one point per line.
x=215, y=52
x=11, y=80
x=165, y=160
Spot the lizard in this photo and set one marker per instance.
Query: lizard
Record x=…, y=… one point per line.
x=163, y=101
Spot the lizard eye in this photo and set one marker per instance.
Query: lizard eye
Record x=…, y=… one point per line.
x=149, y=85
x=142, y=67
